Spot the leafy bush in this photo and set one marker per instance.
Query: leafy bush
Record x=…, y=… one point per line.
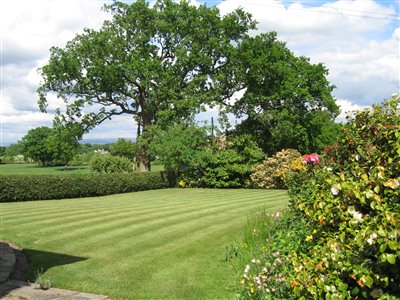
x=230, y=161
x=270, y=174
x=106, y=163
x=42, y=187
x=124, y=148
x=352, y=201
x=181, y=148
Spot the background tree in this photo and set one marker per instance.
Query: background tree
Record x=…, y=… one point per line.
x=124, y=148
x=158, y=63
x=181, y=149
x=63, y=143
x=13, y=150
x=34, y=145
x=288, y=101
x=2, y=152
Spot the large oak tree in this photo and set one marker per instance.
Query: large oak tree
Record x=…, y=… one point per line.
x=159, y=63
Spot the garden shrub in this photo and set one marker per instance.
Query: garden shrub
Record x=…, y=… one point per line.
x=42, y=187
x=352, y=201
x=229, y=162
x=270, y=174
x=106, y=163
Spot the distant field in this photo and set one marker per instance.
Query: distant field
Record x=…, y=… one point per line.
x=11, y=169
x=14, y=169
x=163, y=244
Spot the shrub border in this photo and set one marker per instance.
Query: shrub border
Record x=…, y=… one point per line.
x=46, y=187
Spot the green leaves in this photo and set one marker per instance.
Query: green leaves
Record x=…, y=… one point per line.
x=288, y=101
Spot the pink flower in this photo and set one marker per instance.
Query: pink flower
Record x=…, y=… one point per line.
x=313, y=158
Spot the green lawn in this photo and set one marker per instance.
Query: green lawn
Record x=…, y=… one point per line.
x=16, y=169
x=146, y=245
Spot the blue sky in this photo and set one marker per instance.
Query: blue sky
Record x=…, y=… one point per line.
x=357, y=40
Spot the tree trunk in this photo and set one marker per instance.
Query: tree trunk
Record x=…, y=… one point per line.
x=143, y=156
x=144, y=160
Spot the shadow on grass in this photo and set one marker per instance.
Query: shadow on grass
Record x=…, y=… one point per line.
x=29, y=262
x=43, y=260
x=69, y=169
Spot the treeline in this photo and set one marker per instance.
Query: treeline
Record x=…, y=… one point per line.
x=41, y=145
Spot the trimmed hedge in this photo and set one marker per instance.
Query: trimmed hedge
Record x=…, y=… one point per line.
x=44, y=187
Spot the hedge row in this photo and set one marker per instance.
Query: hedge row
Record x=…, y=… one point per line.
x=43, y=187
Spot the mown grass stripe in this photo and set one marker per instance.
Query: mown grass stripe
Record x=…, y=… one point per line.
x=155, y=233
x=100, y=227
x=87, y=220
x=55, y=208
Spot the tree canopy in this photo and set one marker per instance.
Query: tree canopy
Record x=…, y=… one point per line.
x=166, y=62
x=34, y=145
x=124, y=148
x=159, y=63
x=63, y=143
x=287, y=102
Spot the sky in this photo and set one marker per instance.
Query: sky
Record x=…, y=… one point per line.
x=357, y=40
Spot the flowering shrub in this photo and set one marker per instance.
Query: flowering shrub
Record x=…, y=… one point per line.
x=264, y=255
x=352, y=201
x=311, y=158
x=270, y=174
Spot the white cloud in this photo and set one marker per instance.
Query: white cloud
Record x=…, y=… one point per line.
x=327, y=20
x=368, y=75
x=349, y=37
x=346, y=107
x=28, y=30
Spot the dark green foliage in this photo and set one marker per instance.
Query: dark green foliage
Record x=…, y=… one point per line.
x=288, y=101
x=106, y=163
x=42, y=187
x=13, y=150
x=2, y=151
x=191, y=158
x=182, y=149
x=230, y=162
x=63, y=143
x=124, y=148
x=34, y=145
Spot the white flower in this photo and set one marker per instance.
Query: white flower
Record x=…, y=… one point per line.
x=356, y=214
x=357, y=157
x=329, y=169
x=255, y=261
x=372, y=238
x=247, y=269
x=335, y=189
